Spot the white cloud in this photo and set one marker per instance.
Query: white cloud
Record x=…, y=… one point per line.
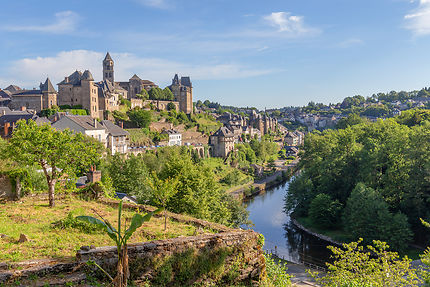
x=29, y=72
x=288, y=24
x=65, y=22
x=161, y=4
x=418, y=21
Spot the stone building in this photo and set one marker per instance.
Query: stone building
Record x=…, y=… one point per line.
x=80, y=89
x=182, y=89
x=36, y=100
x=134, y=85
x=222, y=142
x=175, y=137
x=262, y=122
x=109, y=96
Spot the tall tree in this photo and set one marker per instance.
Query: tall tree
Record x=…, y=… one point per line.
x=156, y=94
x=168, y=95
x=143, y=95
x=58, y=153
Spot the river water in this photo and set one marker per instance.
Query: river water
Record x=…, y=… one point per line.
x=281, y=236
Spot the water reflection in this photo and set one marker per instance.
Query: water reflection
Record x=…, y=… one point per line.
x=266, y=211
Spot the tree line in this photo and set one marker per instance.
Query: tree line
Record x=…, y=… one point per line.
x=372, y=179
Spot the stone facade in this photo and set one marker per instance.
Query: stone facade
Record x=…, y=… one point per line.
x=79, y=89
x=36, y=100
x=182, y=90
x=222, y=142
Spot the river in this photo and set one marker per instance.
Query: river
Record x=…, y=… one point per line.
x=281, y=236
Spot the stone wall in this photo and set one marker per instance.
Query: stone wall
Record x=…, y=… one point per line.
x=220, y=259
x=223, y=258
x=6, y=190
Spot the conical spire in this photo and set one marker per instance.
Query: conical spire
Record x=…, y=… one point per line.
x=108, y=57
x=47, y=87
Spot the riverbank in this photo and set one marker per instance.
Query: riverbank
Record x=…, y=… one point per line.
x=255, y=188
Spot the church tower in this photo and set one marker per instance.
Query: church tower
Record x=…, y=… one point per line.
x=108, y=69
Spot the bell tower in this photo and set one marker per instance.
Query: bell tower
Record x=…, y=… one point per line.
x=108, y=69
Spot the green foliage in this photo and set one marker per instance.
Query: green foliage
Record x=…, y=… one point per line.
x=350, y=120
x=277, y=273
x=375, y=267
x=171, y=106
x=367, y=216
x=168, y=95
x=140, y=118
x=57, y=152
x=390, y=158
x=376, y=111
x=70, y=221
x=324, y=211
x=124, y=102
x=120, y=116
x=156, y=93
x=413, y=117
x=143, y=95
x=199, y=193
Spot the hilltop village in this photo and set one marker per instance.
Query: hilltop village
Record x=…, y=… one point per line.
x=113, y=112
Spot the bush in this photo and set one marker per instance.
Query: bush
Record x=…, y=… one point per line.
x=325, y=212
x=277, y=275
x=70, y=221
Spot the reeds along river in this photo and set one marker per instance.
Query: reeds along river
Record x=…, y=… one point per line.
x=282, y=238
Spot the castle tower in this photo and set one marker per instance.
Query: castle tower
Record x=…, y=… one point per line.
x=108, y=73
x=182, y=89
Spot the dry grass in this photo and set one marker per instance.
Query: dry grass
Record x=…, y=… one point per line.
x=34, y=218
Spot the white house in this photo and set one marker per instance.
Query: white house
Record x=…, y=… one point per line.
x=109, y=134
x=175, y=137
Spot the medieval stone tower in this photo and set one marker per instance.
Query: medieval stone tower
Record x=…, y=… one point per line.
x=108, y=69
x=182, y=89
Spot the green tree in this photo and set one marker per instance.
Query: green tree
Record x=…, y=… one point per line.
x=140, y=118
x=167, y=94
x=374, y=267
x=162, y=190
x=156, y=93
x=58, y=153
x=143, y=95
x=324, y=211
x=367, y=216
x=171, y=107
x=350, y=120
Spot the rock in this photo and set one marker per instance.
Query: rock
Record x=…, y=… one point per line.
x=85, y=248
x=23, y=238
x=92, y=247
x=3, y=235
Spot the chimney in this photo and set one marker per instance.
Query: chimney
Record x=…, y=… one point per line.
x=95, y=123
x=121, y=124
x=6, y=129
x=3, y=112
x=23, y=109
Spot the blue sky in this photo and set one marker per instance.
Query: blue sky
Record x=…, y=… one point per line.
x=270, y=53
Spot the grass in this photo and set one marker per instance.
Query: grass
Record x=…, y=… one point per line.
x=32, y=217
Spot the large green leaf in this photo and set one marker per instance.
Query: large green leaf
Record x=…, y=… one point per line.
x=119, y=217
x=137, y=222
x=106, y=225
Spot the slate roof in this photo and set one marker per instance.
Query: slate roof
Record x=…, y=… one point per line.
x=108, y=57
x=47, y=87
x=135, y=77
x=14, y=117
x=5, y=94
x=13, y=88
x=113, y=129
x=175, y=80
x=224, y=132
x=185, y=81
x=87, y=76
x=28, y=93
x=86, y=122
x=171, y=132
x=76, y=78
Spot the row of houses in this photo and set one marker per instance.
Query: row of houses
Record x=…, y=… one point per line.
x=110, y=135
